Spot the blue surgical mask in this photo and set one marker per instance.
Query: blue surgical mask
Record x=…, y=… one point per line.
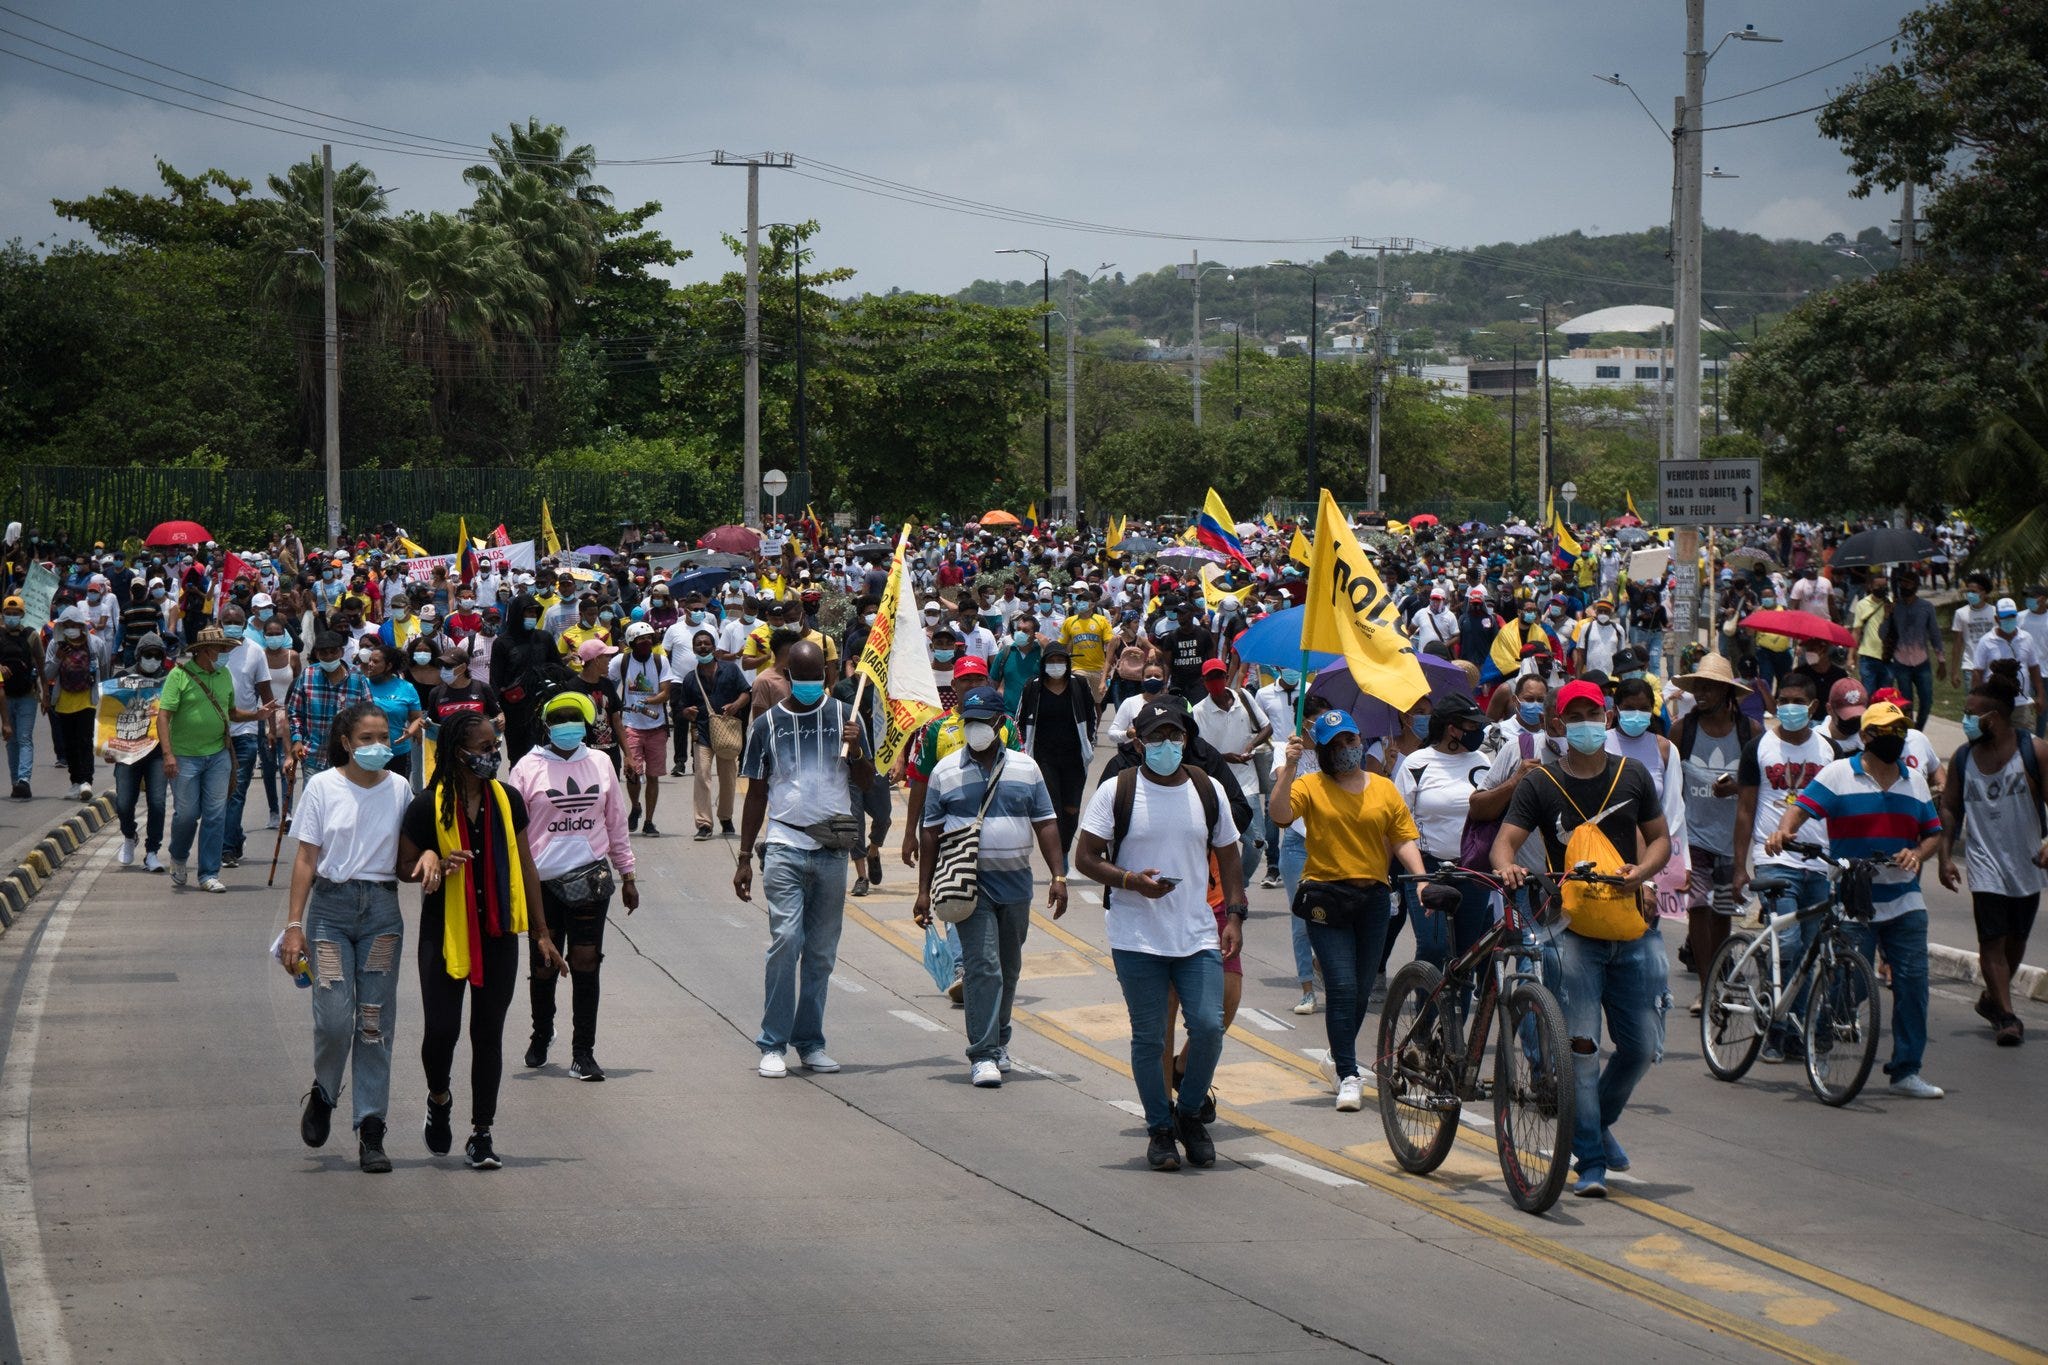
x=1163, y=756
x=1973, y=728
x=277, y=641
x=1168, y=624
x=807, y=693
x=1530, y=713
x=606, y=617
x=372, y=756
x=1021, y=638
x=1529, y=617
x=697, y=618
x=234, y=632
x=329, y=665
x=566, y=734
x=447, y=676
x=1795, y=715
x=1973, y=598
x=1767, y=600
x=265, y=613
x=13, y=618
x=705, y=656
x=1633, y=723
x=943, y=656
x=1290, y=677
x=532, y=622
x=1419, y=725
x=1586, y=736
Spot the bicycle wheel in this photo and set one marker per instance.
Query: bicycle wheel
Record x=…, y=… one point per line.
x=1535, y=1096
x=1843, y=1020
x=1736, y=1012
x=1417, y=1106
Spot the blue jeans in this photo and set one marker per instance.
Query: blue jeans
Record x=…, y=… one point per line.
x=1437, y=937
x=1293, y=858
x=1802, y=888
x=1350, y=958
x=1904, y=941
x=1650, y=644
x=992, y=951
x=129, y=781
x=806, y=893
x=1771, y=665
x=354, y=934
x=1197, y=979
x=1916, y=682
x=1872, y=673
x=244, y=747
x=21, y=750
x=201, y=789
x=1627, y=984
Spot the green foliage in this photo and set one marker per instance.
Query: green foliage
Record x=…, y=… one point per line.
x=2006, y=469
x=681, y=481
x=191, y=215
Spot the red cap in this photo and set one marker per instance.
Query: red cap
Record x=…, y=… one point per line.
x=1845, y=698
x=970, y=666
x=1214, y=666
x=1890, y=694
x=1580, y=691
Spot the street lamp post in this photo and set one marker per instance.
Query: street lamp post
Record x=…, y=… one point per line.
x=1193, y=273
x=1045, y=267
x=1236, y=365
x=1314, y=302
x=1543, y=446
x=1073, y=495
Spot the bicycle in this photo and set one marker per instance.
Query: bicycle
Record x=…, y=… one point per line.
x=1843, y=1015
x=1429, y=1063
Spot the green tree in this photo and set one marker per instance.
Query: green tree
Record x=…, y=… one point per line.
x=190, y=215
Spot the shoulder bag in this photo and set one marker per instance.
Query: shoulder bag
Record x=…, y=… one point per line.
x=226, y=727
x=956, y=872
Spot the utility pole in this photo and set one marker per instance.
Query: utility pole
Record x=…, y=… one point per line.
x=1909, y=244
x=331, y=345
x=750, y=346
x=1685, y=434
x=1074, y=510
x=1379, y=321
x=1195, y=350
x=1514, y=425
x=803, y=432
x=1543, y=430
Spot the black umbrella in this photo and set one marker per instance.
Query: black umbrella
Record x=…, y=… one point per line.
x=1632, y=536
x=874, y=550
x=1882, y=545
x=663, y=548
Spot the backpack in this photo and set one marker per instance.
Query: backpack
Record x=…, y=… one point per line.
x=74, y=668
x=1595, y=910
x=1127, y=797
x=1689, y=729
x=1475, y=845
x=19, y=661
x=2029, y=760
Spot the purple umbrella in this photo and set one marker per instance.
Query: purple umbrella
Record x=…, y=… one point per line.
x=1335, y=685
x=595, y=550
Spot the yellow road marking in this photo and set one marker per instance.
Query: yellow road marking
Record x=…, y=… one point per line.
x=1102, y=1022
x=1666, y=1254
x=1038, y=966
x=1262, y=1083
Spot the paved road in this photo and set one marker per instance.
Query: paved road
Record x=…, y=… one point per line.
x=156, y=1204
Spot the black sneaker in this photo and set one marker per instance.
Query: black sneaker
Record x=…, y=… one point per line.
x=725, y=827
x=633, y=819
x=314, y=1122
x=370, y=1147
x=439, y=1136
x=1207, y=1113
x=649, y=831
x=585, y=1068
x=703, y=833
x=478, y=1153
x=875, y=869
x=230, y=860
x=537, y=1053
x=1160, y=1151
x=21, y=792
x=1194, y=1136
x=860, y=886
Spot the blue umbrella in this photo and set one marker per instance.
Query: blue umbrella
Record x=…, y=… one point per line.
x=1275, y=642
x=700, y=580
x=1335, y=685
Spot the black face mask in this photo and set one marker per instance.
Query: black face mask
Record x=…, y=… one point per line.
x=484, y=765
x=1153, y=685
x=1885, y=748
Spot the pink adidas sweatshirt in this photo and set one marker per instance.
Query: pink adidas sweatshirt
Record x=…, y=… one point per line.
x=575, y=810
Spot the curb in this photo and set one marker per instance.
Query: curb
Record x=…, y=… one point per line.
x=18, y=888
x=1957, y=964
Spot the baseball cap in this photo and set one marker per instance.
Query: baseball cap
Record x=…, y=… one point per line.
x=1437, y=594
x=2007, y=607
x=1880, y=715
x=1331, y=724
x=455, y=656
x=1212, y=667
x=1154, y=714
x=1845, y=699
x=1476, y=595
x=261, y=599
x=970, y=666
x=1888, y=694
x=983, y=703
x=13, y=604
x=1581, y=690
x=594, y=649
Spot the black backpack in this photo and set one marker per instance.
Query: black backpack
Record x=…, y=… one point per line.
x=1689, y=730
x=2029, y=760
x=1127, y=797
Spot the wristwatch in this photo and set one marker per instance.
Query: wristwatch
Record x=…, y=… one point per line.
x=1240, y=912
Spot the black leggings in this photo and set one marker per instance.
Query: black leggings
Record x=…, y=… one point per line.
x=1065, y=779
x=441, y=998
x=74, y=728
x=579, y=934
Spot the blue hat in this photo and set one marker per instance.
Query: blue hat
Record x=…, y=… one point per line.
x=1331, y=724
x=983, y=703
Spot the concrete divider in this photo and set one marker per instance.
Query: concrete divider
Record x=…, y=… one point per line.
x=19, y=887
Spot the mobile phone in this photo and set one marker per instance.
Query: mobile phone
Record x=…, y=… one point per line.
x=1168, y=882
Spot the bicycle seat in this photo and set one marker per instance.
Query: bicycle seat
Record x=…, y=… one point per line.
x=1769, y=886
x=1440, y=898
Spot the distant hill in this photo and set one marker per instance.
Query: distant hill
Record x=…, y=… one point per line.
x=1457, y=290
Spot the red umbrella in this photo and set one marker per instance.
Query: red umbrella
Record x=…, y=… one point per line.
x=1626, y=519
x=1426, y=519
x=1799, y=625
x=733, y=540
x=179, y=533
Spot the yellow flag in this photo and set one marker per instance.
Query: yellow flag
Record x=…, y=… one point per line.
x=1116, y=534
x=1211, y=577
x=1031, y=515
x=903, y=677
x=412, y=548
x=1397, y=528
x=1566, y=541
x=1272, y=523
x=1550, y=509
x=1299, y=549
x=552, y=543
x=1631, y=499
x=1349, y=613
x=461, y=537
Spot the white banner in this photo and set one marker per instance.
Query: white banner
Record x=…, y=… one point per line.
x=498, y=558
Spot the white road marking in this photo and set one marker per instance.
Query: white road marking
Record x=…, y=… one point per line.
x=916, y=1020
x=841, y=982
x=1092, y=897
x=1023, y=1065
x=1129, y=1107
x=1303, y=1169
x=735, y=923
x=1271, y=1023
x=38, y=1321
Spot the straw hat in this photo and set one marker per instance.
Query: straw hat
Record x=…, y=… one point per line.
x=1713, y=669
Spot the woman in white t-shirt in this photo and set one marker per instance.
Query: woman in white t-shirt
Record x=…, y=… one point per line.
x=1437, y=784
x=345, y=925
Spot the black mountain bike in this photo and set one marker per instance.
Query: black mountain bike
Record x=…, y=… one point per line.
x=1431, y=1058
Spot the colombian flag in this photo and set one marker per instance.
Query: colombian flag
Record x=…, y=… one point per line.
x=1031, y=516
x=1568, y=549
x=1505, y=660
x=465, y=553
x=1217, y=531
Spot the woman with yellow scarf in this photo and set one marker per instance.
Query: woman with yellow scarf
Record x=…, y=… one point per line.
x=464, y=841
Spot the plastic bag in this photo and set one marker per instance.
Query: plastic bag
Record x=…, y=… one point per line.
x=939, y=960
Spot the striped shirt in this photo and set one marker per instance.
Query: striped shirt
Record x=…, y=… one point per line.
x=1869, y=821
x=958, y=785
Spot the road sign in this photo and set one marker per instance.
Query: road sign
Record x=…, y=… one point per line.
x=1709, y=492
x=775, y=483
x=1570, y=492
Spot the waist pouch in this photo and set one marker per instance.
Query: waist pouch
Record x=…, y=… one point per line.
x=1339, y=905
x=590, y=884
x=838, y=833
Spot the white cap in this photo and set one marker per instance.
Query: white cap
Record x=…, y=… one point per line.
x=639, y=630
x=261, y=599
x=2006, y=607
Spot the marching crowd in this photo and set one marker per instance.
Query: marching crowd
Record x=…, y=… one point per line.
x=500, y=736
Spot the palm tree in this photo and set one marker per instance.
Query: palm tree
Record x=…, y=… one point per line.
x=540, y=148
x=554, y=235
x=2003, y=473
x=462, y=296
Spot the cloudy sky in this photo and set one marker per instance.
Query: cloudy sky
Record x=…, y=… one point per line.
x=1458, y=122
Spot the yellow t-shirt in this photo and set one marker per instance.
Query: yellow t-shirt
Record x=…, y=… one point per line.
x=1869, y=627
x=1084, y=637
x=1350, y=837
x=754, y=654
x=574, y=637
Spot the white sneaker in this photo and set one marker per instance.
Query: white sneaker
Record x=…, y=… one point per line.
x=152, y=863
x=1307, y=1003
x=772, y=1065
x=271, y=823
x=177, y=874
x=126, y=857
x=84, y=791
x=1913, y=1088
x=213, y=884
x=1350, y=1095
x=1003, y=1062
x=1327, y=1069
x=986, y=1075
x=817, y=1059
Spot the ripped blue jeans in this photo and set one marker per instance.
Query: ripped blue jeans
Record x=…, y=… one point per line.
x=1627, y=985
x=353, y=939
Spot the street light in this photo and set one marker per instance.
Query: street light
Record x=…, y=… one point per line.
x=1314, y=271
x=1073, y=477
x=1194, y=273
x=1543, y=449
x=1856, y=255
x=1236, y=364
x=1045, y=266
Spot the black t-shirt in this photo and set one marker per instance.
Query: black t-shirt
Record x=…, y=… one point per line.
x=1540, y=807
x=1186, y=650
x=418, y=826
x=449, y=700
x=604, y=695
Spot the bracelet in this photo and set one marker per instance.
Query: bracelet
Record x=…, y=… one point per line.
x=297, y=924
x=1126, y=882
x=1059, y=876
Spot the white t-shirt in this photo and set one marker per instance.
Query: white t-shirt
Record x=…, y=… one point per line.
x=1162, y=836
x=639, y=680
x=2019, y=648
x=1780, y=771
x=1973, y=624
x=355, y=828
x=247, y=667
x=1230, y=732
x=1437, y=788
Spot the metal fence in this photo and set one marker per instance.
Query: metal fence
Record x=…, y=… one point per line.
x=242, y=506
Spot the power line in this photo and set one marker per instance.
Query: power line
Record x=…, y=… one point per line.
x=1759, y=89
x=1774, y=118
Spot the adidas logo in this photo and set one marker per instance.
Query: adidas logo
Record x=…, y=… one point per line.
x=575, y=800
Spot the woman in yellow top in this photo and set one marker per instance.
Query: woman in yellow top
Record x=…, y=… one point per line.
x=1357, y=826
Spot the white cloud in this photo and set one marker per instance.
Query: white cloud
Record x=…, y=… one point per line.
x=1803, y=218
